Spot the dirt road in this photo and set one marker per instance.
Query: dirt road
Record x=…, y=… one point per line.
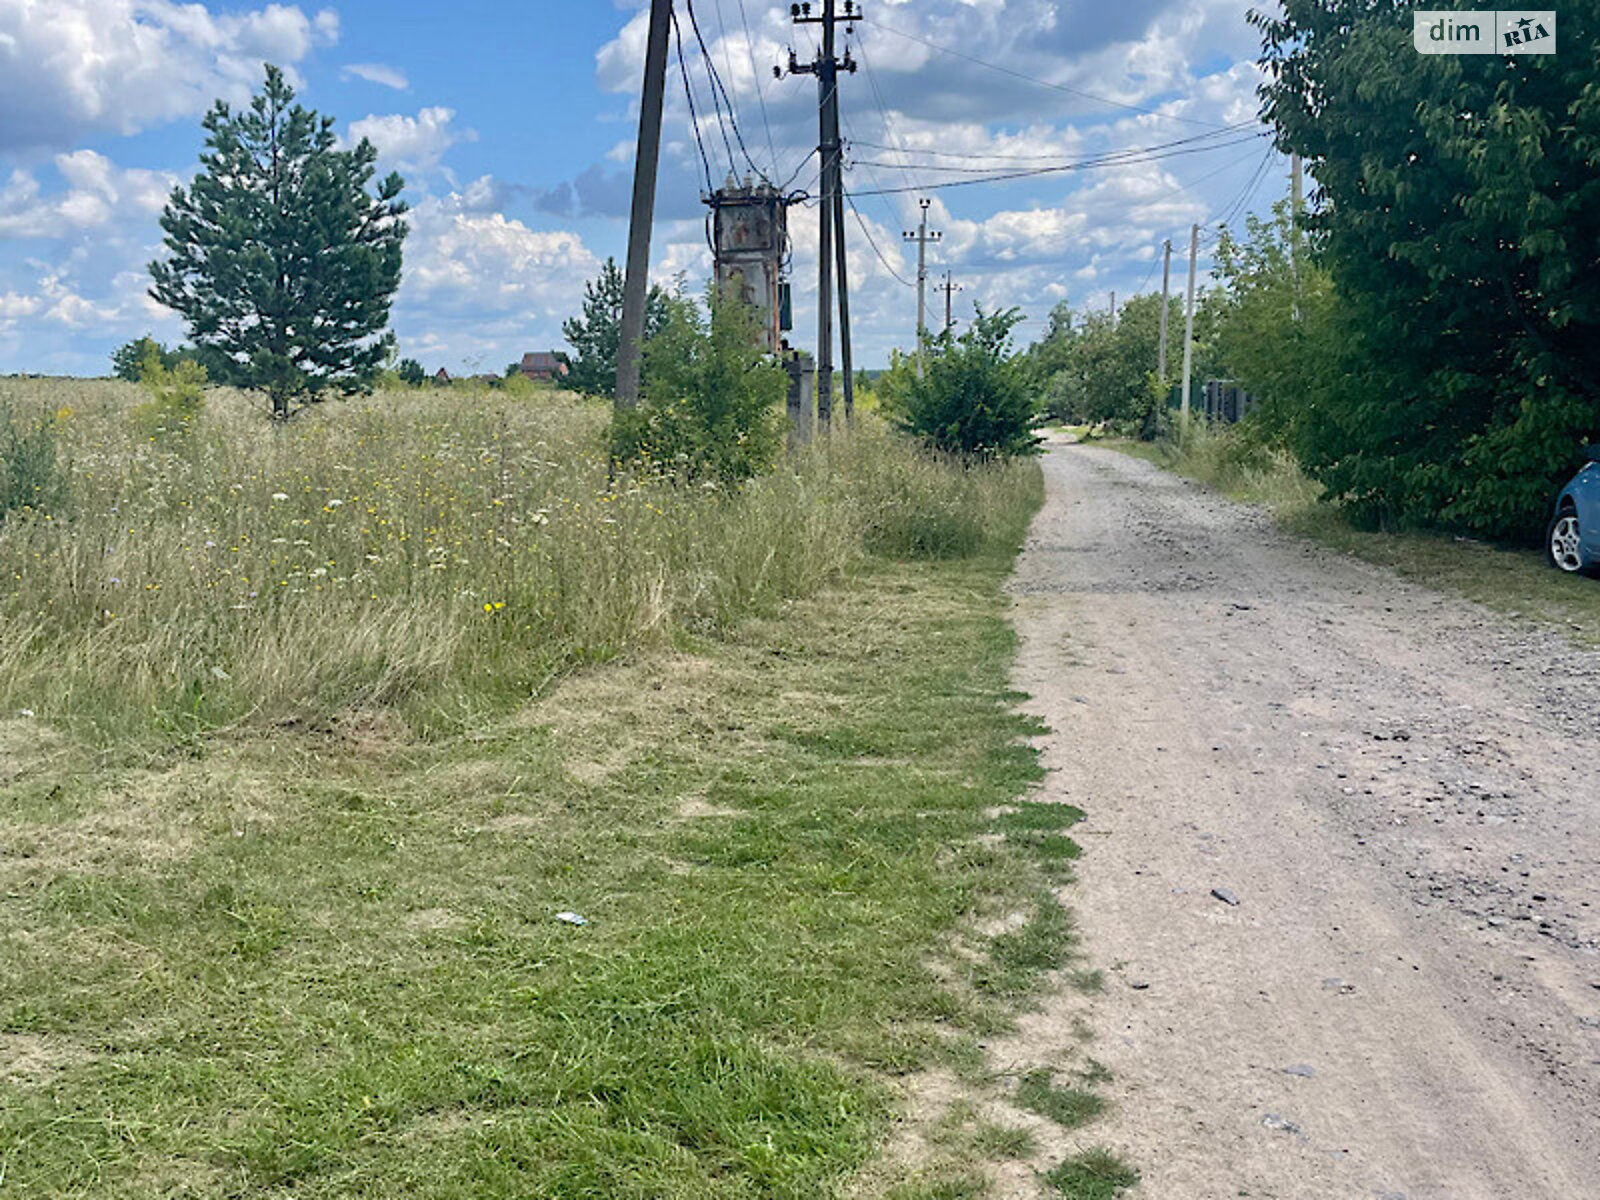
x=1401, y=791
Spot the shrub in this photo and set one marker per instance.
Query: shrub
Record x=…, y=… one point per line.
x=712, y=405
x=31, y=478
x=972, y=397
x=177, y=394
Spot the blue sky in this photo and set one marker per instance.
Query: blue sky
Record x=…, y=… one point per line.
x=514, y=126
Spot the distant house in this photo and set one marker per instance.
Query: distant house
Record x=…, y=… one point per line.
x=543, y=365
x=442, y=378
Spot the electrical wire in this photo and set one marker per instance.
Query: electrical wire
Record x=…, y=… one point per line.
x=755, y=74
x=1060, y=87
x=883, y=108
x=1128, y=154
x=688, y=91
x=716, y=104
x=1242, y=202
x=871, y=241
x=1064, y=167
x=969, y=155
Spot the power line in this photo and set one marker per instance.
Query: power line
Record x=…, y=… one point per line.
x=871, y=241
x=883, y=108
x=1128, y=154
x=716, y=85
x=1060, y=87
x=755, y=74
x=1251, y=186
x=996, y=157
x=688, y=91
x=1056, y=170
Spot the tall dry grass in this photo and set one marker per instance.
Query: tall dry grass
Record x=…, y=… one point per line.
x=446, y=553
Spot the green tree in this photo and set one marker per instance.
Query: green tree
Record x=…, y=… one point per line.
x=410, y=372
x=713, y=401
x=128, y=359
x=595, y=334
x=279, y=258
x=1460, y=213
x=974, y=396
x=1274, y=329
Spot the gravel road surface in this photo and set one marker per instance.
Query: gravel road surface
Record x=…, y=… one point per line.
x=1401, y=792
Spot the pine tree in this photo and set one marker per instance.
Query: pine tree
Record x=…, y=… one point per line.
x=281, y=261
x=595, y=336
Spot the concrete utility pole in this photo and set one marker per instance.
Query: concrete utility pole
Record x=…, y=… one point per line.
x=949, y=287
x=1113, y=310
x=1166, y=277
x=636, y=284
x=922, y=237
x=831, y=252
x=1188, y=318
x=1296, y=199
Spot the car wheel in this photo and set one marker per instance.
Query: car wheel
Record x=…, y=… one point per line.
x=1562, y=542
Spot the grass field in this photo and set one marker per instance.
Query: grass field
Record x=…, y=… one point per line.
x=291, y=926
x=1515, y=581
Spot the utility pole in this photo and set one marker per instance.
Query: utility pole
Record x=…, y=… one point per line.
x=1113, y=310
x=1296, y=199
x=949, y=287
x=826, y=68
x=1188, y=318
x=1166, y=277
x=637, y=282
x=846, y=362
x=922, y=237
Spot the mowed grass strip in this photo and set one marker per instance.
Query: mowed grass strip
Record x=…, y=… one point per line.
x=329, y=963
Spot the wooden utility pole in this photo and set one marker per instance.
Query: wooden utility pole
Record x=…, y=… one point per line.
x=1188, y=318
x=949, y=287
x=922, y=237
x=1166, y=278
x=831, y=252
x=636, y=285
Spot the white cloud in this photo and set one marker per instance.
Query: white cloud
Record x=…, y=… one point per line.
x=414, y=143
x=99, y=194
x=389, y=77
x=72, y=67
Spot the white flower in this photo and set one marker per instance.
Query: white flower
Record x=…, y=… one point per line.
x=280, y=495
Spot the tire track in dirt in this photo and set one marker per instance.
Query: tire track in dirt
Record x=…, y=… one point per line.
x=1403, y=792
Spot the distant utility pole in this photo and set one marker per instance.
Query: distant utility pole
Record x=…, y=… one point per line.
x=1296, y=199
x=1188, y=317
x=831, y=251
x=648, y=151
x=949, y=287
x=922, y=237
x=1166, y=277
x=1113, y=310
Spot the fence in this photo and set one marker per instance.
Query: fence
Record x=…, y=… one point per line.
x=1215, y=400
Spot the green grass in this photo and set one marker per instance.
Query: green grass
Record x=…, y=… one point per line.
x=322, y=958
x=443, y=554
x=1069, y=1107
x=1512, y=580
x=1092, y=1175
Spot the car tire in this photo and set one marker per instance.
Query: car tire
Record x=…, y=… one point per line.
x=1562, y=544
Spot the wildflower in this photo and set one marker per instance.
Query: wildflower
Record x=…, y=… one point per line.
x=280, y=495
x=493, y=607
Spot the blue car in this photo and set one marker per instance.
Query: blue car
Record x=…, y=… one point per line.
x=1573, y=539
